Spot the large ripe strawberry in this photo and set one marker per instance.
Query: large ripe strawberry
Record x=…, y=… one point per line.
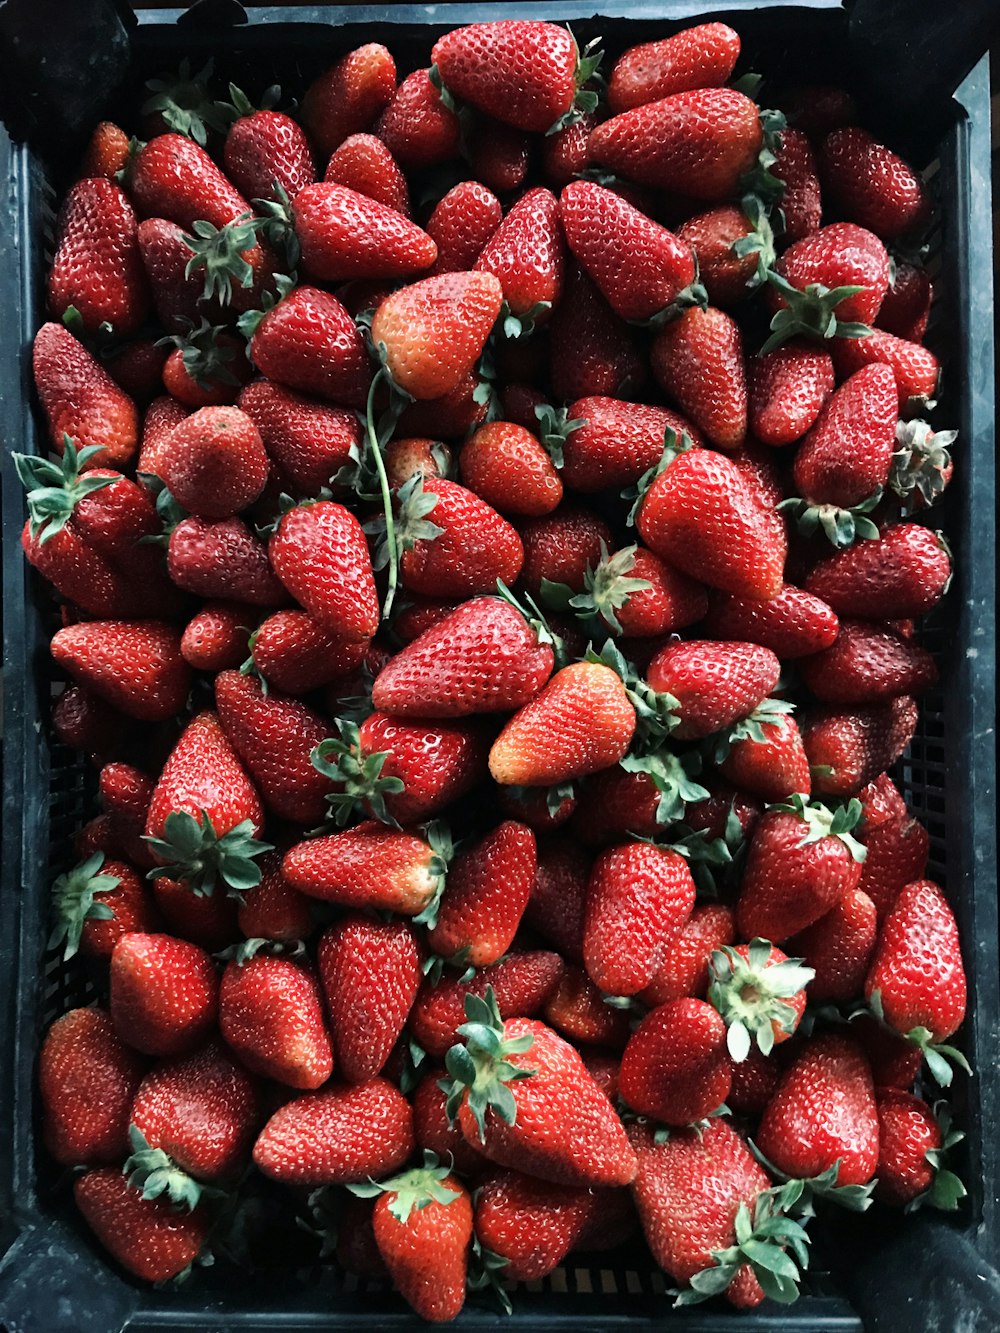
x=610, y=443
x=462, y=222
x=364, y=164
x=561, y=547
x=793, y=624
x=482, y=658
x=345, y=235
x=787, y=390
x=522, y=72
x=698, y=142
x=97, y=902
x=675, y=1067
x=639, y=266
x=222, y=558
x=701, y=515
x=760, y=993
x=214, y=463
x=904, y=572
x=338, y=1135
x=319, y=552
x=271, y=1015
x=525, y=1099
x=823, y=1115
x=309, y=342
x=577, y=1011
x=803, y=858
x=591, y=349
x=86, y=1081
x=148, y=1237
x=638, y=900
x=370, y=866
x=847, y=454
x=849, y=747
x=916, y=369
x=868, y=663
x=838, y=947
x=698, y=57
x=417, y=127
x=310, y=441
x=873, y=186
x=531, y=1224
x=172, y=177
x=81, y=400
x=164, y=994
x=526, y=254
x=370, y=973
x=134, y=665
x=471, y=550
x=264, y=149
x=522, y=982
x=505, y=465
x=698, y=360
x=581, y=722
x=348, y=96
x=488, y=888
x=818, y=266
x=713, y=684
x=685, y=967
x=294, y=653
x=97, y=269
x=914, y=1140
x=434, y=330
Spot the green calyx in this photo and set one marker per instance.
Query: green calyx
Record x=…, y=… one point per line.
x=535, y=618
x=939, y=1057
x=752, y=994
x=555, y=425
x=194, y=852
x=480, y=1068
x=220, y=253
x=758, y=241
x=205, y=358
x=673, y=447
x=512, y=325
x=439, y=840
x=798, y=1196
x=555, y=796
x=250, y=320
x=585, y=100
x=673, y=776
x=242, y=106
x=921, y=465
x=768, y=713
x=712, y=861
x=277, y=225
x=358, y=775
x=186, y=105
x=485, y=1274
x=761, y=179
x=155, y=1174
x=656, y=714
x=822, y=822
x=608, y=587
x=771, y=1242
x=946, y=1190
x=74, y=902
x=247, y=950
x=411, y=1190
x=811, y=313
x=168, y=511
x=841, y=527
x=694, y=294
x=56, y=486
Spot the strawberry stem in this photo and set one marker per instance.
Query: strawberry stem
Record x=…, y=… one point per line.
x=413, y=1189
x=480, y=1068
x=377, y=436
x=74, y=903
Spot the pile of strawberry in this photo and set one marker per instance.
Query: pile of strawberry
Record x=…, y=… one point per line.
x=492, y=636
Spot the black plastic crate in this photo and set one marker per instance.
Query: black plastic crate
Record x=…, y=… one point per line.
x=870, y=1273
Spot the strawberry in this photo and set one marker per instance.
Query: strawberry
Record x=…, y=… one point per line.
x=818, y=108
x=161, y=416
x=215, y=638
x=348, y=96
x=97, y=902
x=505, y=465
x=206, y=368
x=483, y=657
x=531, y=1224
x=275, y=737
x=83, y=721
x=265, y=149
x=343, y=234
x=793, y=624
x=164, y=994
x=535, y=806
x=309, y=342
x=526, y=254
x=698, y=57
x=802, y=860
x=473, y=547
x=766, y=756
x=591, y=349
x=488, y=888
x=760, y=993
x=86, y=1082
x=685, y=967
x=577, y=1011
x=637, y=594
x=698, y=142
x=433, y=331
x=868, y=663
x=363, y=164
x=134, y=665
x=497, y=154
x=81, y=400
x=271, y=1015
x=872, y=186
x=273, y=910
x=318, y=550
x=801, y=200
x=848, y=747
x=522, y=982
x=675, y=1067
x=522, y=72
x=423, y=1228
x=433, y=1130
x=214, y=462
x=640, y=268
x=559, y=894
x=561, y=547
x=897, y=855
x=97, y=269
x=787, y=391
x=581, y=722
x=211, y=923
x=370, y=973
x=904, y=572
x=612, y=443
x=822, y=1115
x=523, y=1095
x=698, y=360
x=292, y=652
x=177, y=295
x=137, y=367
x=819, y=266
x=417, y=126
x=148, y=1237
x=308, y=440
x=403, y=457
x=343, y=1133
x=638, y=900
x=701, y=515
x=916, y=369
x=838, y=947
x=356, y=1249
x=173, y=177
x=106, y=153
x=913, y=1144
x=370, y=866
x=462, y=222
x=222, y=559
x=907, y=304
x=565, y=153
x=712, y=684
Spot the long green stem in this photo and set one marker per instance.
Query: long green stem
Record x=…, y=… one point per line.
x=374, y=443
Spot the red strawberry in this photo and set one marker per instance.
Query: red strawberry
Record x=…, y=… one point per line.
x=86, y=1082
x=206, y=368
x=340, y=1134
x=734, y=249
x=97, y=902
x=638, y=899
x=848, y=747
x=766, y=756
x=526, y=254
x=310, y=441
x=222, y=559
x=830, y=471
x=581, y=722
x=818, y=108
x=211, y=923
x=134, y=665
x=177, y=295
x=487, y=890
x=348, y=96
x=84, y=722
x=148, y=1237
x=559, y=894
x=164, y=994
x=434, y=330
x=309, y=342
x=561, y=547
x=576, y=1009
x=895, y=1061
x=714, y=684
x=637, y=594
x=81, y=400
x=787, y=390
x=802, y=860
x=533, y=806
x=172, y=177
x=639, y=266
x=907, y=304
x=273, y=910
x=318, y=550
x=434, y=1131
x=214, y=462
x=417, y=127
x=215, y=638
x=505, y=465
x=162, y=415
x=531, y=1224
x=801, y=202
x=591, y=349
x=698, y=57
x=370, y=973
x=698, y=142
x=290, y=651
x=841, y=254
x=913, y=1144
x=106, y=153
x=345, y=235
x=137, y=367
x=698, y=360
x=897, y=855
x=565, y=153
x=675, y=1067
x=916, y=369
x=868, y=663
x=264, y=149
x=823, y=1115
x=793, y=624
x=473, y=548
x=364, y=165
x=753, y=1083
x=462, y=222
x=97, y=269
x=275, y=737
x=685, y=969
x=615, y=442
x=403, y=457
x=871, y=185
x=838, y=947
x=499, y=155
x=369, y=866
x=271, y=1015
x=904, y=572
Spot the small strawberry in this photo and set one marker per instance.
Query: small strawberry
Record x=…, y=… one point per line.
x=565, y=153
x=106, y=153
x=161, y=416
x=793, y=624
x=97, y=268
x=868, y=663
x=699, y=57
x=848, y=747
x=148, y=1237
x=872, y=186
x=904, y=572
x=685, y=967
x=712, y=684
x=265, y=148
x=473, y=546
x=318, y=550
x=309, y=342
x=577, y=1011
x=273, y=909
x=612, y=443
x=214, y=462
x=760, y=993
x=907, y=304
x=787, y=390
x=403, y=457
x=592, y=351
x=916, y=369
x=914, y=1141
x=462, y=222
x=560, y=548
x=734, y=248
x=765, y=755
x=526, y=253
x=134, y=665
x=177, y=294
x=348, y=96
x=505, y=465
x=419, y=127
x=81, y=400
x=364, y=165
x=97, y=902
x=488, y=888
x=497, y=154
x=897, y=855
x=801, y=200
x=530, y=1224
x=838, y=947
x=173, y=177
x=223, y=559
x=215, y=638
x=698, y=360
x=164, y=994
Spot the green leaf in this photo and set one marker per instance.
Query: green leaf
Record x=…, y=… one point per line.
x=195, y=853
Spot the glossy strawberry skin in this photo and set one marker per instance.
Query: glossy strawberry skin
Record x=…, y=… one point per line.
x=903, y=573
x=310, y=343
x=864, y=410
x=97, y=267
x=526, y=252
x=848, y=747
x=204, y=775
x=348, y=96
x=106, y=152
x=504, y=464
x=174, y=178
x=461, y=224
x=675, y=1067
x=164, y=994
x=559, y=895
x=871, y=185
x=271, y=1016
x=592, y=351
x=362, y=163
x=715, y=683
x=416, y=126
x=684, y=971
x=577, y=1011
x=320, y=554
x=148, y=1237
x=81, y=399
x=135, y=665
x=521, y=72
x=292, y=652
x=532, y=1223
x=907, y=1132
x=897, y=855
x=369, y=866
x=773, y=768
x=477, y=546
x=346, y=235
x=223, y=559
x=801, y=203
x=698, y=57
x=787, y=390
x=839, y=947
x=427, y=1256
x=487, y=890
x=436, y=761
x=698, y=359
x=712, y=236
x=433, y=1130
x=916, y=369
x=840, y=254
x=907, y=305
x=793, y=624
x=561, y=546
x=264, y=148
x=216, y=636
x=868, y=663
